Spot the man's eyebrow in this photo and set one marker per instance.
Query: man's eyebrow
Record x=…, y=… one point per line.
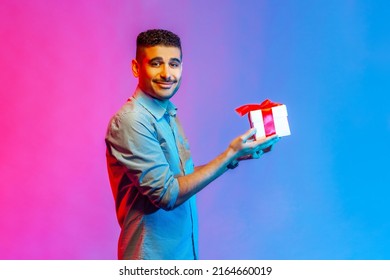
x=160, y=59
x=156, y=59
x=175, y=60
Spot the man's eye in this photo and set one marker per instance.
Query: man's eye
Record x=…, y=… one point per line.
x=174, y=65
x=155, y=64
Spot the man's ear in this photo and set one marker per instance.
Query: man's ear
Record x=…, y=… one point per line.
x=135, y=68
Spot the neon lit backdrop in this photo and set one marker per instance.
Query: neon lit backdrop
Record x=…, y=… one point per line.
x=321, y=194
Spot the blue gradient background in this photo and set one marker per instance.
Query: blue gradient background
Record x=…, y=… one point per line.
x=322, y=193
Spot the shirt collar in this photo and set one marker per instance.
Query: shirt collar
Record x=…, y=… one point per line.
x=153, y=105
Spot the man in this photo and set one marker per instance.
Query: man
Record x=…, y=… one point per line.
x=151, y=172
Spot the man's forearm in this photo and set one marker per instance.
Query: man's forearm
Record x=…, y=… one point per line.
x=202, y=176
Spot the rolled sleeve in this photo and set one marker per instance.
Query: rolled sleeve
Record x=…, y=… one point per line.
x=135, y=143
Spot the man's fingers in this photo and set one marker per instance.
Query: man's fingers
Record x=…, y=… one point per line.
x=257, y=154
x=265, y=143
x=248, y=134
x=269, y=142
x=255, y=149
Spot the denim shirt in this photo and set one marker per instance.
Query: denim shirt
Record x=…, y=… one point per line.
x=146, y=152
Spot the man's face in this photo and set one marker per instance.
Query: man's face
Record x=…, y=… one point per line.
x=158, y=70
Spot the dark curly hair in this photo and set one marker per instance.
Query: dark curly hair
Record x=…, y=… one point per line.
x=157, y=37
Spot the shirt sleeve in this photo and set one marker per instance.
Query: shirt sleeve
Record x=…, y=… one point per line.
x=133, y=141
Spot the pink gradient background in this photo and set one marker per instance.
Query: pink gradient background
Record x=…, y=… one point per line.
x=321, y=194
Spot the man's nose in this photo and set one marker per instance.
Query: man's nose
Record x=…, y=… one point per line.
x=165, y=72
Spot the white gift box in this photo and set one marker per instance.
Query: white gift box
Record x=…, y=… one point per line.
x=270, y=121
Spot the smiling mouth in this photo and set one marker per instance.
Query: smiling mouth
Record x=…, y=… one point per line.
x=165, y=84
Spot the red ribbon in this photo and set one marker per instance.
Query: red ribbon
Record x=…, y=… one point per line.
x=266, y=104
x=266, y=108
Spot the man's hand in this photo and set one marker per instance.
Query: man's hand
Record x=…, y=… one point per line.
x=244, y=147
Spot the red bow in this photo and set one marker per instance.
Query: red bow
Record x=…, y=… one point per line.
x=266, y=104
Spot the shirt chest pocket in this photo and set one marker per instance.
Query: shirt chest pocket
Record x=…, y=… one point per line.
x=170, y=151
